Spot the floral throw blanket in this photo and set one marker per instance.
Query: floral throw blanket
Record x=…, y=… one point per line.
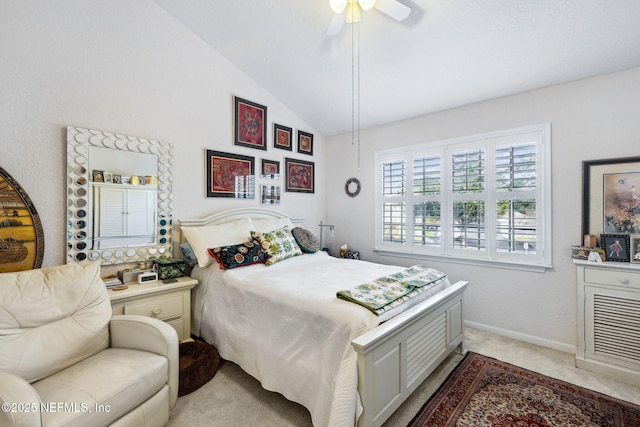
x=386, y=292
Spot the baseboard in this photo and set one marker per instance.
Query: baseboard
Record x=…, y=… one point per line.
x=567, y=348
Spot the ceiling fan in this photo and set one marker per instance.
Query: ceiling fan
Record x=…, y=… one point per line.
x=349, y=11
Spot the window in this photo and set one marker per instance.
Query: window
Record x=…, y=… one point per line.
x=484, y=198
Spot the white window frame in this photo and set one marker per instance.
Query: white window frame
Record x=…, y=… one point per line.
x=539, y=261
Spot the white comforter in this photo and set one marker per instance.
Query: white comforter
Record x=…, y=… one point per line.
x=272, y=323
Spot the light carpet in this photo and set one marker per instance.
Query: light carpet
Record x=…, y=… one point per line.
x=233, y=398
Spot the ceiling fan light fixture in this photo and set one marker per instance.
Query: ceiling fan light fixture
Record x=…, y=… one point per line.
x=338, y=5
x=366, y=4
x=353, y=12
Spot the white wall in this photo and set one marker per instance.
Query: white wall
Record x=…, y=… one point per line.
x=127, y=67
x=591, y=119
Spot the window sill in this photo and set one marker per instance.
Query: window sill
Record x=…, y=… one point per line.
x=505, y=265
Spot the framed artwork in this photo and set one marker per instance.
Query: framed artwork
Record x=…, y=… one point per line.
x=97, y=175
x=305, y=143
x=21, y=232
x=611, y=196
x=299, y=176
x=615, y=246
x=270, y=195
x=250, y=124
x=270, y=169
x=282, y=137
x=230, y=175
x=634, y=255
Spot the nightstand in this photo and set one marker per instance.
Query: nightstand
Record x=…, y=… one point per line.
x=170, y=302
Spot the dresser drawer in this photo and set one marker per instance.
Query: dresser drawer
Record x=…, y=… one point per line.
x=612, y=277
x=165, y=308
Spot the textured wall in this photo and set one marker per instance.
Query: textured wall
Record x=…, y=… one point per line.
x=126, y=67
x=590, y=119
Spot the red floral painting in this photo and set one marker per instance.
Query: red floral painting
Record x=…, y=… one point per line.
x=299, y=175
x=282, y=137
x=230, y=175
x=250, y=124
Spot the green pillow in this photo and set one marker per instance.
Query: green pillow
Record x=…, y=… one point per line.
x=277, y=245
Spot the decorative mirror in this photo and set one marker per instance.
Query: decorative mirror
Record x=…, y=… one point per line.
x=119, y=197
x=352, y=187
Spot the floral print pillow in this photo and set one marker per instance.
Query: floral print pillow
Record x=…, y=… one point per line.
x=240, y=255
x=277, y=245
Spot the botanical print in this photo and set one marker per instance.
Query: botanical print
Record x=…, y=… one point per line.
x=622, y=203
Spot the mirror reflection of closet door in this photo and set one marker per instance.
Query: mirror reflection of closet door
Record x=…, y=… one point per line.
x=125, y=216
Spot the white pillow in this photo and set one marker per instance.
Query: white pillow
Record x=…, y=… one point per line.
x=215, y=236
x=264, y=225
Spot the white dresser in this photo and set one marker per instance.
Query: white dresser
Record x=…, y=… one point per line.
x=170, y=302
x=609, y=319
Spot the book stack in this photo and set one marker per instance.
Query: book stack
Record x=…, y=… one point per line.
x=112, y=281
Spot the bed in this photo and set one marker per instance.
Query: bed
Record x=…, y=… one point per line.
x=284, y=325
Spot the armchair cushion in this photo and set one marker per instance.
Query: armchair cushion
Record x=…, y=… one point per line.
x=109, y=384
x=61, y=349
x=55, y=315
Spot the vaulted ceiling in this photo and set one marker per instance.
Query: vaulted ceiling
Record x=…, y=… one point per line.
x=447, y=53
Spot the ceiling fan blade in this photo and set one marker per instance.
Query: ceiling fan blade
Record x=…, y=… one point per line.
x=393, y=9
x=336, y=23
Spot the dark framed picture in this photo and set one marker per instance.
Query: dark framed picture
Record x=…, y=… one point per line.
x=97, y=175
x=270, y=195
x=270, y=169
x=250, y=124
x=615, y=247
x=299, y=176
x=305, y=143
x=634, y=255
x=230, y=175
x=282, y=137
x=611, y=196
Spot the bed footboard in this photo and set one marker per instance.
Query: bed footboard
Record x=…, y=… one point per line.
x=397, y=356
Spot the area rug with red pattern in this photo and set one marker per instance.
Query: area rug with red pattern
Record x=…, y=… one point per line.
x=482, y=391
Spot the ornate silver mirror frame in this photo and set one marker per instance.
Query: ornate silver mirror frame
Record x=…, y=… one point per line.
x=79, y=214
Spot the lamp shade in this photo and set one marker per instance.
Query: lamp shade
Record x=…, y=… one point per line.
x=337, y=5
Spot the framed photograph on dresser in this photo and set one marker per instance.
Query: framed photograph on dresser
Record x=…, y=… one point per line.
x=615, y=246
x=634, y=245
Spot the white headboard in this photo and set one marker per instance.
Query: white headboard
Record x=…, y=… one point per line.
x=232, y=214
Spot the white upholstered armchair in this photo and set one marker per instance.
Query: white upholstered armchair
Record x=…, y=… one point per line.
x=66, y=361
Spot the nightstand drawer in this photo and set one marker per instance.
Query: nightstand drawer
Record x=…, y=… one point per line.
x=164, y=308
x=612, y=277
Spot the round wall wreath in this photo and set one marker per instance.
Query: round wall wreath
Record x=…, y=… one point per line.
x=349, y=187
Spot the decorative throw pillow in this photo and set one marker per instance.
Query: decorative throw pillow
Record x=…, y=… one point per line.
x=239, y=255
x=306, y=240
x=188, y=255
x=277, y=245
x=217, y=235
